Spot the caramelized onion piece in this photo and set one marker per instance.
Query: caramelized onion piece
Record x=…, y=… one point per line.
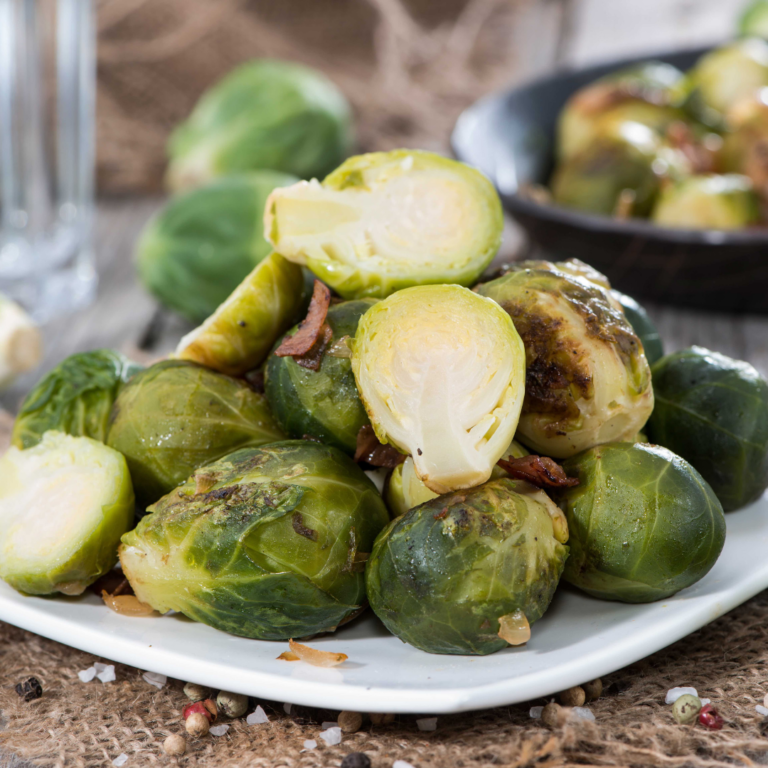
x=514, y=628
x=315, y=657
x=539, y=471
x=126, y=605
x=288, y=656
x=371, y=451
x=309, y=328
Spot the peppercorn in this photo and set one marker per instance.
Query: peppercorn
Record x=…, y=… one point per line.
x=349, y=722
x=593, y=689
x=175, y=745
x=30, y=689
x=207, y=708
x=197, y=725
x=232, y=704
x=381, y=718
x=573, y=697
x=686, y=709
x=710, y=718
x=356, y=760
x=554, y=715
x=195, y=692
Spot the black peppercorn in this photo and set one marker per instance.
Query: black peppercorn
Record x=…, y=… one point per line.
x=30, y=689
x=356, y=760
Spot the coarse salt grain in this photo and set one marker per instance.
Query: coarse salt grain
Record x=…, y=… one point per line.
x=287, y=708
x=332, y=736
x=583, y=713
x=257, y=717
x=107, y=672
x=704, y=702
x=86, y=675
x=761, y=710
x=535, y=713
x=218, y=730
x=401, y=764
x=121, y=759
x=156, y=679
x=673, y=694
x=309, y=744
x=427, y=724
x=326, y=725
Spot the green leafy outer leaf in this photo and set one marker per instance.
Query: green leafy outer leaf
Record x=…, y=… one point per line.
x=642, y=325
x=199, y=248
x=643, y=523
x=76, y=397
x=713, y=411
x=442, y=574
x=754, y=21
x=324, y=404
x=266, y=542
x=176, y=416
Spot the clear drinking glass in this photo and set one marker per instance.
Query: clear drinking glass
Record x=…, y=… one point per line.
x=47, y=96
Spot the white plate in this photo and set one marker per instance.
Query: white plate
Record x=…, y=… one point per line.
x=578, y=639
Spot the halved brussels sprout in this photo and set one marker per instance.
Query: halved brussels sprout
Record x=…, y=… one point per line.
x=754, y=20
x=708, y=202
x=76, y=397
x=64, y=504
x=237, y=337
x=264, y=114
x=203, y=244
x=443, y=575
x=643, y=523
x=713, y=411
x=325, y=403
x=389, y=220
x=267, y=542
x=587, y=379
x=21, y=346
x=177, y=416
x=441, y=372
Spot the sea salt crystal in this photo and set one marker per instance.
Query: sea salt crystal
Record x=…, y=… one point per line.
x=120, y=760
x=583, y=713
x=287, y=708
x=153, y=678
x=401, y=764
x=427, y=724
x=332, y=736
x=326, y=725
x=219, y=730
x=535, y=713
x=309, y=744
x=105, y=672
x=86, y=675
x=704, y=702
x=761, y=710
x=673, y=694
x=257, y=717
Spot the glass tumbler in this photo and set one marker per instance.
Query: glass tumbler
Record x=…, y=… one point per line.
x=47, y=97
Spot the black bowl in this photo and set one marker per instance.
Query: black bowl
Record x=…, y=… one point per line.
x=510, y=137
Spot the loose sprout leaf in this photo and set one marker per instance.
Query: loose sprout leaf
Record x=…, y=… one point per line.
x=514, y=628
x=310, y=328
x=538, y=470
x=315, y=657
x=371, y=451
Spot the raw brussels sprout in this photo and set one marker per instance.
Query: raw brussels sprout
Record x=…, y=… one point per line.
x=442, y=575
x=441, y=372
x=713, y=411
x=76, y=397
x=20, y=342
x=267, y=542
x=642, y=325
x=64, y=504
x=754, y=21
x=201, y=246
x=708, y=202
x=587, y=378
x=264, y=115
x=237, y=337
x=176, y=416
x=389, y=220
x=324, y=403
x=643, y=523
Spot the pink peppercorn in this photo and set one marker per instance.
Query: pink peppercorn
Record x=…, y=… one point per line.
x=710, y=718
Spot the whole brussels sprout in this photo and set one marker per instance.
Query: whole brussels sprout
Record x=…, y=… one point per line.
x=389, y=220
x=323, y=403
x=21, y=345
x=267, y=542
x=265, y=114
x=754, y=20
x=75, y=397
x=643, y=523
x=64, y=504
x=200, y=247
x=713, y=411
x=708, y=202
x=441, y=372
x=176, y=416
x=442, y=575
x=237, y=337
x=587, y=378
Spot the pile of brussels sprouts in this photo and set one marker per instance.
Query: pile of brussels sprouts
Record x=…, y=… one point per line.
x=686, y=150
x=394, y=441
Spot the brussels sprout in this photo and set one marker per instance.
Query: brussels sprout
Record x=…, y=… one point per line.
x=177, y=416
x=708, y=202
x=745, y=147
x=265, y=114
x=643, y=523
x=237, y=337
x=587, y=379
x=442, y=575
x=64, y=504
x=713, y=411
x=642, y=325
x=267, y=542
x=20, y=342
x=441, y=372
x=76, y=397
x=324, y=403
x=389, y=220
x=199, y=248
x=754, y=20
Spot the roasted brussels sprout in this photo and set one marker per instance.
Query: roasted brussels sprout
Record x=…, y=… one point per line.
x=441, y=372
x=643, y=523
x=322, y=403
x=20, y=342
x=713, y=411
x=708, y=202
x=76, y=397
x=745, y=148
x=64, y=504
x=754, y=20
x=642, y=325
x=201, y=246
x=238, y=336
x=176, y=416
x=443, y=575
x=267, y=542
x=587, y=378
x=265, y=114
x=389, y=220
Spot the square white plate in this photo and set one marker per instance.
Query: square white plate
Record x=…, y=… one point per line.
x=577, y=640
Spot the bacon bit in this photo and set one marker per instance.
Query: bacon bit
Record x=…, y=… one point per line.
x=514, y=628
x=126, y=605
x=314, y=358
x=315, y=657
x=298, y=525
x=288, y=656
x=309, y=328
x=371, y=451
x=539, y=471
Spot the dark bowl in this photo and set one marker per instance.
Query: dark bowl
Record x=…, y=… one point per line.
x=510, y=137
